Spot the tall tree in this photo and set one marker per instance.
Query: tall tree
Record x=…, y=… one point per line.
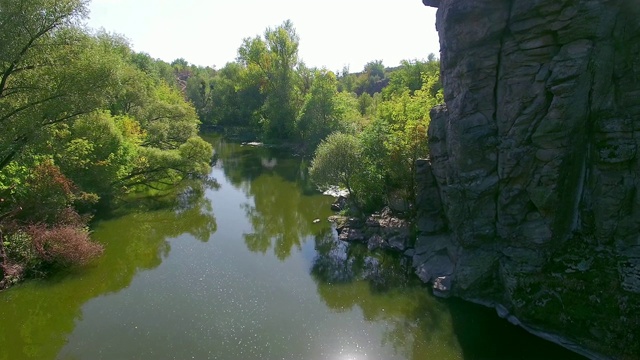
x=318, y=117
x=275, y=59
x=50, y=72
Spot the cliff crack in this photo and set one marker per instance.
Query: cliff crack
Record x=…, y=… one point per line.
x=496, y=94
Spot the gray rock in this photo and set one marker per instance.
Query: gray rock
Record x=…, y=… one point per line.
x=534, y=166
x=349, y=234
x=442, y=286
x=434, y=267
x=398, y=242
x=339, y=204
x=376, y=242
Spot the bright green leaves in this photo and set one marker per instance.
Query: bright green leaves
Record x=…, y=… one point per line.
x=321, y=113
x=272, y=61
x=94, y=153
x=337, y=160
x=50, y=71
x=393, y=137
x=168, y=120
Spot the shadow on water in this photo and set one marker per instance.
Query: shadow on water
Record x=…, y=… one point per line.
x=381, y=286
x=38, y=315
x=421, y=326
x=512, y=341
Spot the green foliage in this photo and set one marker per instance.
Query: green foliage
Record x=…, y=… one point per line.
x=50, y=71
x=19, y=248
x=409, y=76
x=323, y=111
x=95, y=152
x=273, y=60
x=392, y=138
x=83, y=117
x=337, y=160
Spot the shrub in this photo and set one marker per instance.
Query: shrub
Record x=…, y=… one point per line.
x=336, y=161
x=63, y=245
x=19, y=250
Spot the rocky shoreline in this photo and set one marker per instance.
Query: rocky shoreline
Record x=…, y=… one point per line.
x=429, y=257
x=386, y=231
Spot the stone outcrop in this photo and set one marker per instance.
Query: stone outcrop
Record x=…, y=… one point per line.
x=380, y=230
x=530, y=201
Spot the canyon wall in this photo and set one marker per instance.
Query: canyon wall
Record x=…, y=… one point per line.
x=530, y=201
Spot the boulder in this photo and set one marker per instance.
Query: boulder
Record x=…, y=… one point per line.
x=349, y=234
x=340, y=203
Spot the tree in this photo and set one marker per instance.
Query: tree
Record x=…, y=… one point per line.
x=320, y=114
x=275, y=59
x=50, y=72
x=337, y=161
x=407, y=118
x=409, y=76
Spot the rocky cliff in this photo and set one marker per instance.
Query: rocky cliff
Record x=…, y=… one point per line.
x=530, y=201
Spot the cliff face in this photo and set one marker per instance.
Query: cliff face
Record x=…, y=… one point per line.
x=531, y=198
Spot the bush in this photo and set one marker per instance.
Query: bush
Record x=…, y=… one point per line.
x=63, y=245
x=19, y=250
x=336, y=161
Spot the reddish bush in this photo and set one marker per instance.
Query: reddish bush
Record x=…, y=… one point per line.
x=63, y=245
x=48, y=192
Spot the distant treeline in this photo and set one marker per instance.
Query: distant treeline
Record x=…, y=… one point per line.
x=382, y=112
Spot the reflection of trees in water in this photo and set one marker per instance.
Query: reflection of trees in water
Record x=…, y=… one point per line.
x=380, y=284
x=242, y=164
x=37, y=316
x=281, y=216
x=282, y=212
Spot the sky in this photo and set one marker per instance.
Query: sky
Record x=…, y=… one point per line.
x=333, y=33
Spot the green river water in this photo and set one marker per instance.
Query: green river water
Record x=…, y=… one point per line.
x=241, y=271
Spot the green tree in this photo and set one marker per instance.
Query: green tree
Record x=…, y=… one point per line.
x=320, y=114
x=274, y=59
x=96, y=151
x=407, y=119
x=337, y=161
x=409, y=76
x=373, y=79
x=50, y=72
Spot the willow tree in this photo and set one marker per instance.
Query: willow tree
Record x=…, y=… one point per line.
x=50, y=71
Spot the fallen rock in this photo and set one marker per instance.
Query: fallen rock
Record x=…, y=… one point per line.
x=399, y=242
x=376, y=242
x=349, y=234
x=340, y=204
x=442, y=286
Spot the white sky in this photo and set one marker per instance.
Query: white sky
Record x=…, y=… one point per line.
x=333, y=33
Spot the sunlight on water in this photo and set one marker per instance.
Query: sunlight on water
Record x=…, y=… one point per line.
x=240, y=272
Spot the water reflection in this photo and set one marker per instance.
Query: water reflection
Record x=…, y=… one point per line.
x=263, y=282
x=380, y=284
x=279, y=212
x=38, y=315
x=419, y=325
x=281, y=216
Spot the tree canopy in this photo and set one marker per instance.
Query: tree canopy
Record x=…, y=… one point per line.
x=83, y=119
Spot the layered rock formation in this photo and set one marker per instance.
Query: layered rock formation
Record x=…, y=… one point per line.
x=531, y=197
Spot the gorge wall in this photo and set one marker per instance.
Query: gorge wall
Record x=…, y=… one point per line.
x=530, y=201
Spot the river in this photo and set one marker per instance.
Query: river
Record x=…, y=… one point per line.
x=239, y=270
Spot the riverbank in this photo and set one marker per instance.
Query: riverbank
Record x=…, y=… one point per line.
x=243, y=272
x=428, y=258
